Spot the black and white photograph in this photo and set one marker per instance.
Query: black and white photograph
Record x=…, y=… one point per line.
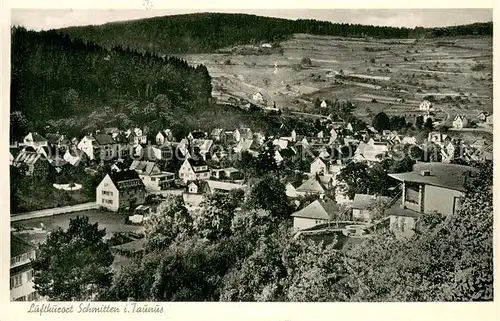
x=274, y=155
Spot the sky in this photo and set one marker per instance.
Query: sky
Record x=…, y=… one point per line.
x=43, y=19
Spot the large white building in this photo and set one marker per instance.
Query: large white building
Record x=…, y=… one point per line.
x=120, y=189
x=21, y=273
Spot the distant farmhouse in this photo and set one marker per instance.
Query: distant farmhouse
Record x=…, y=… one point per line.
x=460, y=121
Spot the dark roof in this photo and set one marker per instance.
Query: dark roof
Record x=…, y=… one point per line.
x=55, y=138
x=127, y=175
x=198, y=134
x=19, y=246
x=104, y=139
x=450, y=176
x=38, y=138
x=364, y=201
x=197, y=162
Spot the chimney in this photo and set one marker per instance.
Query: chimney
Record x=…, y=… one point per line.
x=425, y=173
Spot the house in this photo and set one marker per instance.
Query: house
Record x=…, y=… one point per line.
x=245, y=145
x=152, y=177
x=438, y=138
x=222, y=187
x=120, y=190
x=136, y=136
x=242, y=133
x=409, y=140
x=218, y=135
x=333, y=134
x=30, y=158
x=53, y=154
x=291, y=189
x=311, y=187
x=203, y=145
x=21, y=272
x=362, y=204
x=373, y=151
x=430, y=187
x=35, y=140
x=112, y=131
x=293, y=135
x=196, y=134
x=460, y=121
x=349, y=127
x=164, y=136
x=323, y=104
x=266, y=45
x=425, y=106
x=318, y=212
x=100, y=143
x=481, y=117
x=327, y=167
x=194, y=169
x=258, y=97
x=74, y=156
x=58, y=140
x=154, y=153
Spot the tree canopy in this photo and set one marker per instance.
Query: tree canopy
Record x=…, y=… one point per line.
x=74, y=264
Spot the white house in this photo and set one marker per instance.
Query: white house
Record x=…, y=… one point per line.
x=362, y=204
x=163, y=137
x=35, y=140
x=258, y=97
x=194, y=169
x=318, y=212
x=323, y=104
x=153, y=178
x=266, y=45
x=460, y=121
x=21, y=271
x=291, y=190
x=425, y=106
x=120, y=189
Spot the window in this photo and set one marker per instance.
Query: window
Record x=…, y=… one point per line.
x=107, y=193
x=30, y=274
x=412, y=194
x=16, y=281
x=106, y=201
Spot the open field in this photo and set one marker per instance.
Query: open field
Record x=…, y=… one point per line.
x=381, y=75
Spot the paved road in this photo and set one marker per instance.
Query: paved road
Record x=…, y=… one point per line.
x=53, y=211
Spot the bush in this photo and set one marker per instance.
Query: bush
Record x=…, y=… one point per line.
x=306, y=61
x=372, y=60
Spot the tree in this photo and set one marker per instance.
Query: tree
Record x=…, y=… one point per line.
x=266, y=161
x=428, y=126
x=355, y=179
x=317, y=103
x=381, y=122
x=74, y=264
x=170, y=221
x=419, y=121
x=451, y=258
x=213, y=220
x=269, y=194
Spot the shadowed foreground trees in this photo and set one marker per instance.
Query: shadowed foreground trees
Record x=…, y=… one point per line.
x=74, y=264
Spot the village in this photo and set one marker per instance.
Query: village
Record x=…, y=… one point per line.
x=139, y=169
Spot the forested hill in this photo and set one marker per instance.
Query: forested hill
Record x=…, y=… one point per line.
x=55, y=77
x=206, y=32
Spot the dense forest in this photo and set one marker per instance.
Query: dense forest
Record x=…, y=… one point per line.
x=206, y=32
x=55, y=77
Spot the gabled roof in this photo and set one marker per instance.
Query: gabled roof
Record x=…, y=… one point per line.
x=223, y=186
x=35, y=137
x=450, y=176
x=119, y=178
x=19, y=246
x=216, y=132
x=364, y=201
x=197, y=134
x=198, y=162
x=145, y=167
x=317, y=210
x=104, y=139
x=311, y=186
